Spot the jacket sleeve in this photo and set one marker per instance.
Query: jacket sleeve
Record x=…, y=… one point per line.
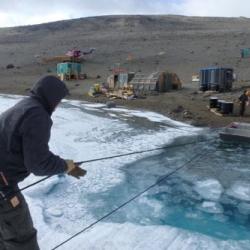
x=38, y=159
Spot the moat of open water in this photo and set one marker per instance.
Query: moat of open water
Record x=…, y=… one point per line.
x=204, y=205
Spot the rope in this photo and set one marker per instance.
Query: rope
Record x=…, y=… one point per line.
x=143, y=151
x=107, y=158
x=199, y=155
x=121, y=155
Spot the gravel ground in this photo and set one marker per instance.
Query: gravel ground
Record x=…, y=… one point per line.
x=175, y=43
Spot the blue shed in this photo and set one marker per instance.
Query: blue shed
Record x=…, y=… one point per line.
x=245, y=53
x=216, y=78
x=69, y=70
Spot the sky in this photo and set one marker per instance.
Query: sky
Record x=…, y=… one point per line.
x=26, y=12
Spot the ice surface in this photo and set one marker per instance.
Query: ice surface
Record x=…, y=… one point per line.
x=44, y=187
x=152, y=116
x=165, y=218
x=94, y=105
x=129, y=236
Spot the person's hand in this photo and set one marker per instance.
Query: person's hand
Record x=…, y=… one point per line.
x=74, y=170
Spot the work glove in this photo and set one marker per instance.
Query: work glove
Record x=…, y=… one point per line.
x=74, y=170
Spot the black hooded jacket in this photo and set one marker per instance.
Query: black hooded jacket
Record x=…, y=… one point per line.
x=25, y=133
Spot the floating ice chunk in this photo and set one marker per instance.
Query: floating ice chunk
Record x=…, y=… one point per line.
x=244, y=208
x=54, y=212
x=155, y=206
x=221, y=218
x=240, y=190
x=211, y=207
x=112, y=115
x=209, y=189
x=227, y=200
x=241, y=218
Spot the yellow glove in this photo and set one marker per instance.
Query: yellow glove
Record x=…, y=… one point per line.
x=74, y=170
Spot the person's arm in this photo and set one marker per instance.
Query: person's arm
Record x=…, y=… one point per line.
x=38, y=159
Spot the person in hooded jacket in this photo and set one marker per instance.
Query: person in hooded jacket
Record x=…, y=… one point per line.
x=24, y=136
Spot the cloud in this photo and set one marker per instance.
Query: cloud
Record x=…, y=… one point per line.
x=24, y=12
x=225, y=8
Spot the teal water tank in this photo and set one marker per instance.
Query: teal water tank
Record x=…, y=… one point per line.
x=245, y=53
x=69, y=68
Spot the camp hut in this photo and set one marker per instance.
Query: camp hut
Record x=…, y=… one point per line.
x=119, y=80
x=245, y=53
x=157, y=81
x=69, y=70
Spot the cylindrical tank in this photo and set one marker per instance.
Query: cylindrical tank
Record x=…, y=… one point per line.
x=230, y=107
x=213, y=102
x=214, y=86
x=204, y=80
x=226, y=107
x=219, y=103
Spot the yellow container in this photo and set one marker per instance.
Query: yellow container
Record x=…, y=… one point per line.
x=97, y=87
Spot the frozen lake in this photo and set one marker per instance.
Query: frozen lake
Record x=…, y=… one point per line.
x=205, y=205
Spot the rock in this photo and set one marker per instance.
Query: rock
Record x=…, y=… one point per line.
x=110, y=104
x=161, y=53
x=198, y=123
x=208, y=93
x=178, y=109
x=10, y=66
x=187, y=114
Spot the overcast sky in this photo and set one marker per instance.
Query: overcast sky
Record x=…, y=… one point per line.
x=23, y=12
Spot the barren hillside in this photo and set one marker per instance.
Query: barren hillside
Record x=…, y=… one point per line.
x=178, y=43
